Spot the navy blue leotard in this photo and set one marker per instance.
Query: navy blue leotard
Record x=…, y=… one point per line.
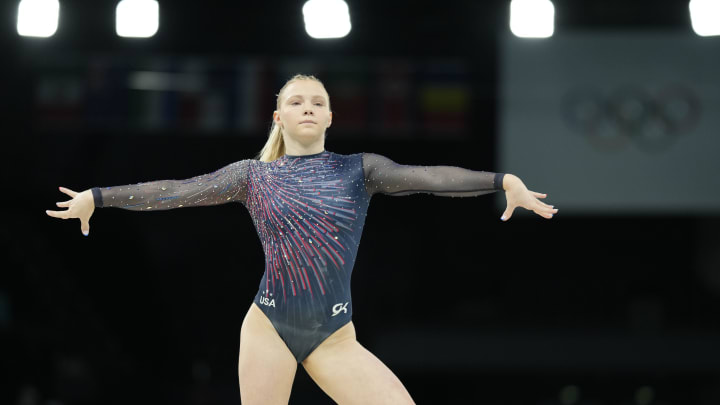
x=309, y=213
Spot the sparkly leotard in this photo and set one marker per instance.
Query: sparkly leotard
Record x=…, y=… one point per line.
x=309, y=213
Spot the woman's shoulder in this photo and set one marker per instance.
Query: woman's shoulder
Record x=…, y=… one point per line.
x=349, y=155
x=355, y=157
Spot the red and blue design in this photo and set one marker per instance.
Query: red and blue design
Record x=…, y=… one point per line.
x=309, y=213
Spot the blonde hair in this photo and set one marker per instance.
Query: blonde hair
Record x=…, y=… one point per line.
x=275, y=145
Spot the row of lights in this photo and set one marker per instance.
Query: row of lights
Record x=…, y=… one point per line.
x=141, y=18
x=327, y=18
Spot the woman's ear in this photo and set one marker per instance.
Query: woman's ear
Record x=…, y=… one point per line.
x=330, y=121
x=276, y=118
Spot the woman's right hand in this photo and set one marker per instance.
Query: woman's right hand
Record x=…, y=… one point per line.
x=81, y=206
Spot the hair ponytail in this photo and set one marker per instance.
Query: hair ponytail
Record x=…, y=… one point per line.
x=274, y=147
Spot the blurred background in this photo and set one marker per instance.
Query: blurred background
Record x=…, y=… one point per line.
x=614, y=114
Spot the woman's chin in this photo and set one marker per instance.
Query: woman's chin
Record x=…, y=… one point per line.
x=308, y=136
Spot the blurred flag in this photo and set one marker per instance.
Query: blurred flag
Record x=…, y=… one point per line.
x=444, y=98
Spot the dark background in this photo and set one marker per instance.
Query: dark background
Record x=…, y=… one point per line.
x=464, y=308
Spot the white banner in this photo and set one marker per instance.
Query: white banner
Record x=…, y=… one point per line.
x=611, y=123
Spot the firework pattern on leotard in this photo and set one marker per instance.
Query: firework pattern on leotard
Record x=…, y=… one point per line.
x=307, y=212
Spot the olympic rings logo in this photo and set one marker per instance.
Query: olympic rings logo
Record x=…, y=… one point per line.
x=653, y=121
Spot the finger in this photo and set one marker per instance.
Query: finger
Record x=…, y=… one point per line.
x=68, y=191
x=543, y=213
x=534, y=205
x=85, y=226
x=58, y=214
x=546, y=213
x=540, y=195
x=63, y=204
x=543, y=206
x=508, y=213
x=546, y=209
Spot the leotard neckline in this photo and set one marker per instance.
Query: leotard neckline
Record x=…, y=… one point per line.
x=306, y=156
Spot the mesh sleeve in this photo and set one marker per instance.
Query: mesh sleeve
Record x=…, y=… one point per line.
x=219, y=187
x=382, y=175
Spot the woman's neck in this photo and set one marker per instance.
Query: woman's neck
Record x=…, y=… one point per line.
x=299, y=150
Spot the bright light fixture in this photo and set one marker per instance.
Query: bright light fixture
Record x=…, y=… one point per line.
x=326, y=18
x=137, y=18
x=38, y=18
x=705, y=17
x=532, y=18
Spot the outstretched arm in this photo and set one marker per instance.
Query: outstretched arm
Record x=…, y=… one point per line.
x=382, y=175
x=219, y=187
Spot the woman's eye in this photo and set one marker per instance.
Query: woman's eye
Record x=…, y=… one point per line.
x=295, y=103
x=319, y=104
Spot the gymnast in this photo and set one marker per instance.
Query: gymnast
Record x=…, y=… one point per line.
x=308, y=206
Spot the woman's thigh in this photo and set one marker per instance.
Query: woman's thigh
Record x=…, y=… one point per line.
x=266, y=368
x=350, y=374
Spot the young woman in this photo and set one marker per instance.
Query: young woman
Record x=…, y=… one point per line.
x=308, y=206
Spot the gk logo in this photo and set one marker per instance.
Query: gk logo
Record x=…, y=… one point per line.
x=339, y=307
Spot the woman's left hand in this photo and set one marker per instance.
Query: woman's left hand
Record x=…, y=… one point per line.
x=518, y=195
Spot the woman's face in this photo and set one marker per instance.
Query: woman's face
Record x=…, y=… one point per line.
x=304, y=113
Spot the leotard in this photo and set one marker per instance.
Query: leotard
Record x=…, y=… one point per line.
x=309, y=212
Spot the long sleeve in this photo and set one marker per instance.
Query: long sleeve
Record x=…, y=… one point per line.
x=219, y=187
x=382, y=175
